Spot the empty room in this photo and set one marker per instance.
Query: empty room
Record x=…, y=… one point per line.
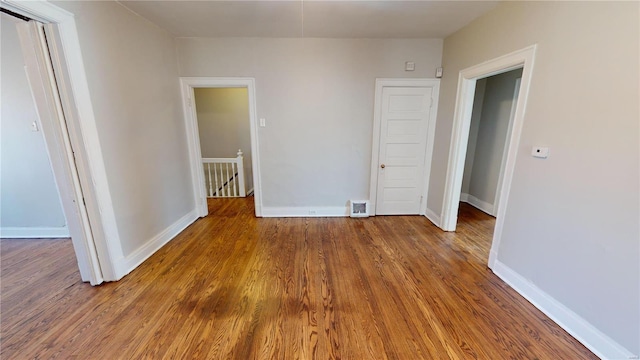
x=320, y=180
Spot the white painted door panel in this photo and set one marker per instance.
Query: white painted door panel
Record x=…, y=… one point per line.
x=404, y=124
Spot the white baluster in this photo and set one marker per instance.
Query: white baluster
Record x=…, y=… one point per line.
x=210, y=182
x=240, y=162
x=227, y=178
x=204, y=172
x=221, y=187
x=215, y=174
x=234, y=167
x=232, y=185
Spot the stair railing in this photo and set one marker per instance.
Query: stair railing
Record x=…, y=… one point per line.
x=224, y=177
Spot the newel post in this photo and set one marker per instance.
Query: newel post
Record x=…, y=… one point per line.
x=240, y=162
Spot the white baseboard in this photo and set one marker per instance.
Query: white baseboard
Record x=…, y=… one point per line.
x=477, y=203
x=133, y=260
x=432, y=216
x=311, y=211
x=596, y=341
x=34, y=232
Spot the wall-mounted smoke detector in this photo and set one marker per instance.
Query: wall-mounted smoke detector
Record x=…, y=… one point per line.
x=359, y=208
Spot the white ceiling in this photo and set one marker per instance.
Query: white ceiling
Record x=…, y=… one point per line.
x=325, y=19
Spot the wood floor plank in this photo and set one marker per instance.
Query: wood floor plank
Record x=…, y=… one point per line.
x=232, y=286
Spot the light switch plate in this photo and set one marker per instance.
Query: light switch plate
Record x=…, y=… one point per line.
x=263, y=122
x=540, y=152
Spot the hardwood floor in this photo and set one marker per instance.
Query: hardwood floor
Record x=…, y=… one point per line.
x=233, y=286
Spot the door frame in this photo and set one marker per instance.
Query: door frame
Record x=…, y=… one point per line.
x=467, y=78
x=381, y=83
x=187, y=86
x=101, y=247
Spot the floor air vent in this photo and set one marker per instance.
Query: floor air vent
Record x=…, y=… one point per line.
x=359, y=208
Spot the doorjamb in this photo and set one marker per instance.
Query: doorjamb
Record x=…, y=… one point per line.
x=375, y=145
x=187, y=84
x=467, y=78
x=85, y=140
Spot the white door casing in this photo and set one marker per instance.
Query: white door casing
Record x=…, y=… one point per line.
x=404, y=125
x=467, y=78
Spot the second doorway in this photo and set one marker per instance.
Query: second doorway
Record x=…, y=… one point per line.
x=225, y=140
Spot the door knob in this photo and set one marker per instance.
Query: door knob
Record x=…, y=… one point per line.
x=382, y=166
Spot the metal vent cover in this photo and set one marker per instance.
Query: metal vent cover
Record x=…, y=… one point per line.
x=359, y=208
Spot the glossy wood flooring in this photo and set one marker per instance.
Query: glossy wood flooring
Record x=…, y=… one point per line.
x=235, y=287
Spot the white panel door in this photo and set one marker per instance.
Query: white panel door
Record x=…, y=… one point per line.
x=404, y=123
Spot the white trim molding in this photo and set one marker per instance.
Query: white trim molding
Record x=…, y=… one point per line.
x=34, y=232
x=432, y=216
x=431, y=131
x=133, y=260
x=477, y=203
x=306, y=211
x=595, y=340
x=187, y=84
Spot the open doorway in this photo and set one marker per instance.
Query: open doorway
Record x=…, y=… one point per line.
x=30, y=205
x=225, y=141
x=491, y=122
x=220, y=119
x=467, y=82
x=44, y=67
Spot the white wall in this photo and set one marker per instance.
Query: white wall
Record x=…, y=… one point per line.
x=133, y=82
x=571, y=224
x=476, y=113
x=490, y=136
x=223, y=125
x=30, y=205
x=317, y=98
